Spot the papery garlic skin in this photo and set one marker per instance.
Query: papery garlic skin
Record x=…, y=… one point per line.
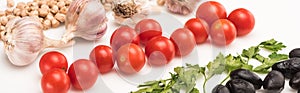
x=183, y=7
x=23, y=40
x=142, y=8
x=85, y=19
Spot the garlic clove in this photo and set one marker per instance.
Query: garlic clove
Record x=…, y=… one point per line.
x=85, y=19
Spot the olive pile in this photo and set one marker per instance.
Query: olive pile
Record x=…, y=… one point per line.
x=245, y=81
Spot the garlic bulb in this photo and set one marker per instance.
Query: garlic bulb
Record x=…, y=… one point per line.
x=183, y=7
x=129, y=12
x=85, y=19
x=23, y=40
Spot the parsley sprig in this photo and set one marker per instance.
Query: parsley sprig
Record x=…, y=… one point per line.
x=185, y=78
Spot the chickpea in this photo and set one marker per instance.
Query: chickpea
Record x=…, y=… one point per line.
x=161, y=2
x=41, y=2
x=9, y=11
x=55, y=23
x=33, y=8
x=60, y=17
x=63, y=10
x=46, y=24
x=10, y=17
x=68, y=2
x=2, y=13
x=2, y=28
x=10, y=3
x=21, y=5
x=41, y=19
x=24, y=13
x=3, y=20
x=43, y=12
x=17, y=12
x=54, y=9
x=44, y=6
x=34, y=13
x=61, y=4
x=49, y=16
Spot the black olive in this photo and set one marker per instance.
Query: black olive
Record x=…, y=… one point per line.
x=274, y=82
x=288, y=67
x=295, y=53
x=220, y=89
x=295, y=81
x=240, y=86
x=248, y=76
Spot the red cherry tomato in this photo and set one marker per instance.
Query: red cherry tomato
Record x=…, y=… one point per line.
x=55, y=81
x=53, y=60
x=83, y=74
x=199, y=28
x=184, y=41
x=130, y=58
x=160, y=51
x=211, y=11
x=102, y=56
x=122, y=36
x=147, y=29
x=243, y=20
x=223, y=32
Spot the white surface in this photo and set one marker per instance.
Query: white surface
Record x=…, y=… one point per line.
x=274, y=19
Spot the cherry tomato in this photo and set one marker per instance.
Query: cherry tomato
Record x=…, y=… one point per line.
x=147, y=29
x=210, y=11
x=160, y=51
x=122, y=36
x=184, y=41
x=199, y=28
x=102, y=56
x=130, y=58
x=53, y=60
x=223, y=32
x=55, y=81
x=83, y=74
x=243, y=20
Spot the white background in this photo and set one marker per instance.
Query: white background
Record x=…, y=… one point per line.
x=274, y=19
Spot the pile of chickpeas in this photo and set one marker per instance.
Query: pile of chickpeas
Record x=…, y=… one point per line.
x=51, y=13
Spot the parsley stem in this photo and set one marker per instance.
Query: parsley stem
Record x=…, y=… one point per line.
x=204, y=84
x=205, y=81
x=228, y=75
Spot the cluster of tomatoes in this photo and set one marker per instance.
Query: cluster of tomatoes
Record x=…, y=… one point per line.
x=82, y=74
x=211, y=19
x=130, y=47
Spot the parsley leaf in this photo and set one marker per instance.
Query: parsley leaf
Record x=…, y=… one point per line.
x=217, y=66
x=183, y=78
x=250, y=52
x=272, y=45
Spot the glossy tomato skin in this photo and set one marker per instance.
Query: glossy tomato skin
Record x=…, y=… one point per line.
x=184, y=41
x=243, y=20
x=211, y=11
x=199, y=28
x=160, y=51
x=130, y=58
x=55, y=81
x=223, y=32
x=122, y=36
x=147, y=29
x=102, y=56
x=52, y=60
x=83, y=74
